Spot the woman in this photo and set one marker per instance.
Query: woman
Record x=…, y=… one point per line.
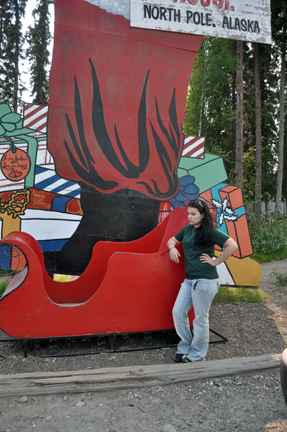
x=201, y=283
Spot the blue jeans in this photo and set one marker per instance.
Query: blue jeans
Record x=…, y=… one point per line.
x=198, y=293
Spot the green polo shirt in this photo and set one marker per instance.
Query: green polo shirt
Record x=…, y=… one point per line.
x=194, y=268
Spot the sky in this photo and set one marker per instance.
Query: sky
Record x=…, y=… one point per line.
x=29, y=20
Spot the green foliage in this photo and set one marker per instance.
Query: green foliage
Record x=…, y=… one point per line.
x=211, y=108
x=195, y=101
x=268, y=234
x=248, y=189
x=211, y=101
x=268, y=174
x=280, y=277
x=238, y=295
x=39, y=37
x=269, y=112
x=278, y=22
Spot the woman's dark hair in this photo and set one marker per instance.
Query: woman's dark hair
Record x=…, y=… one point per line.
x=203, y=233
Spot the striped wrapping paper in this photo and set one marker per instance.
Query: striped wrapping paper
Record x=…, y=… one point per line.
x=47, y=180
x=193, y=147
x=35, y=117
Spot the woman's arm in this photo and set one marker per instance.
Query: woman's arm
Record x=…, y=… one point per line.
x=173, y=252
x=230, y=246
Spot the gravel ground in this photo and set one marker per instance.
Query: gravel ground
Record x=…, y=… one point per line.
x=245, y=404
x=236, y=403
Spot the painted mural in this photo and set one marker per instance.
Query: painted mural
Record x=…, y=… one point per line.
x=107, y=160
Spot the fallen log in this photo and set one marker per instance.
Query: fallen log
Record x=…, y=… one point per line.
x=44, y=383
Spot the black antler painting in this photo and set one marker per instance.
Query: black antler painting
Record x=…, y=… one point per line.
x=85, y=164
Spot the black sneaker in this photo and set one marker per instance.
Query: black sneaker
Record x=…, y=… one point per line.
x=178, y=358
x=185, y=359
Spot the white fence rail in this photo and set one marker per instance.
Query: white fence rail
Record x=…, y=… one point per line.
x=282, y=208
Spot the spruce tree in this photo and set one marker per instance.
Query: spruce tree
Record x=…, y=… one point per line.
x=12, y=40
x=211, y=102
x=39, y=37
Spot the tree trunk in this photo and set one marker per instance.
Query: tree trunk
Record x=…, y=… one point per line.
x=239, y=117
x=1, y=27
x=17, y=43
x=281, y=134
x=258, y=131
x=3, y=4
x=233, y=136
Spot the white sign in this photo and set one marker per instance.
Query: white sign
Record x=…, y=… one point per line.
x=248, y=20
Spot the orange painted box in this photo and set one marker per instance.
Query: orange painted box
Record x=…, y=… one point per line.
x=238, y=228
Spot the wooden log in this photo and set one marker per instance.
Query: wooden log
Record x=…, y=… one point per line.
x=44, y=383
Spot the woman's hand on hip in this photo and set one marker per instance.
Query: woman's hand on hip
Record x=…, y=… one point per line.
x=206, y=259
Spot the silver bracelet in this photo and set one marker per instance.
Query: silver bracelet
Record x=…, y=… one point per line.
x=173, y=247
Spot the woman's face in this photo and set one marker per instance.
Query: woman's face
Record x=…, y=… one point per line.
x=194, y=216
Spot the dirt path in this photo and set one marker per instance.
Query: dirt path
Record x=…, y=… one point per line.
x=245, y=403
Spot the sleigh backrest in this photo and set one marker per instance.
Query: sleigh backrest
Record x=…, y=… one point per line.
x=177, y=220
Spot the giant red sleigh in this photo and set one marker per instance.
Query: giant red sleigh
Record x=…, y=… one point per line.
x=127, y=287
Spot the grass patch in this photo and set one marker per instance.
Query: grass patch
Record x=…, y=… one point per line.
x=275, y=256
x=64, y=278
x=8, y=272
x=280, y=277
x=61, y=278
x=238, y=295
x=3, y=285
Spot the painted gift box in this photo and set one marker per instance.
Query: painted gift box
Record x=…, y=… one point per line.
x=49, y=217
x=5, y=183
x=237, y=228
x=22, y=146
x=231, y=216
x=193, y=147
x=39, y=154
x=198, y=168
x=35, y=117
